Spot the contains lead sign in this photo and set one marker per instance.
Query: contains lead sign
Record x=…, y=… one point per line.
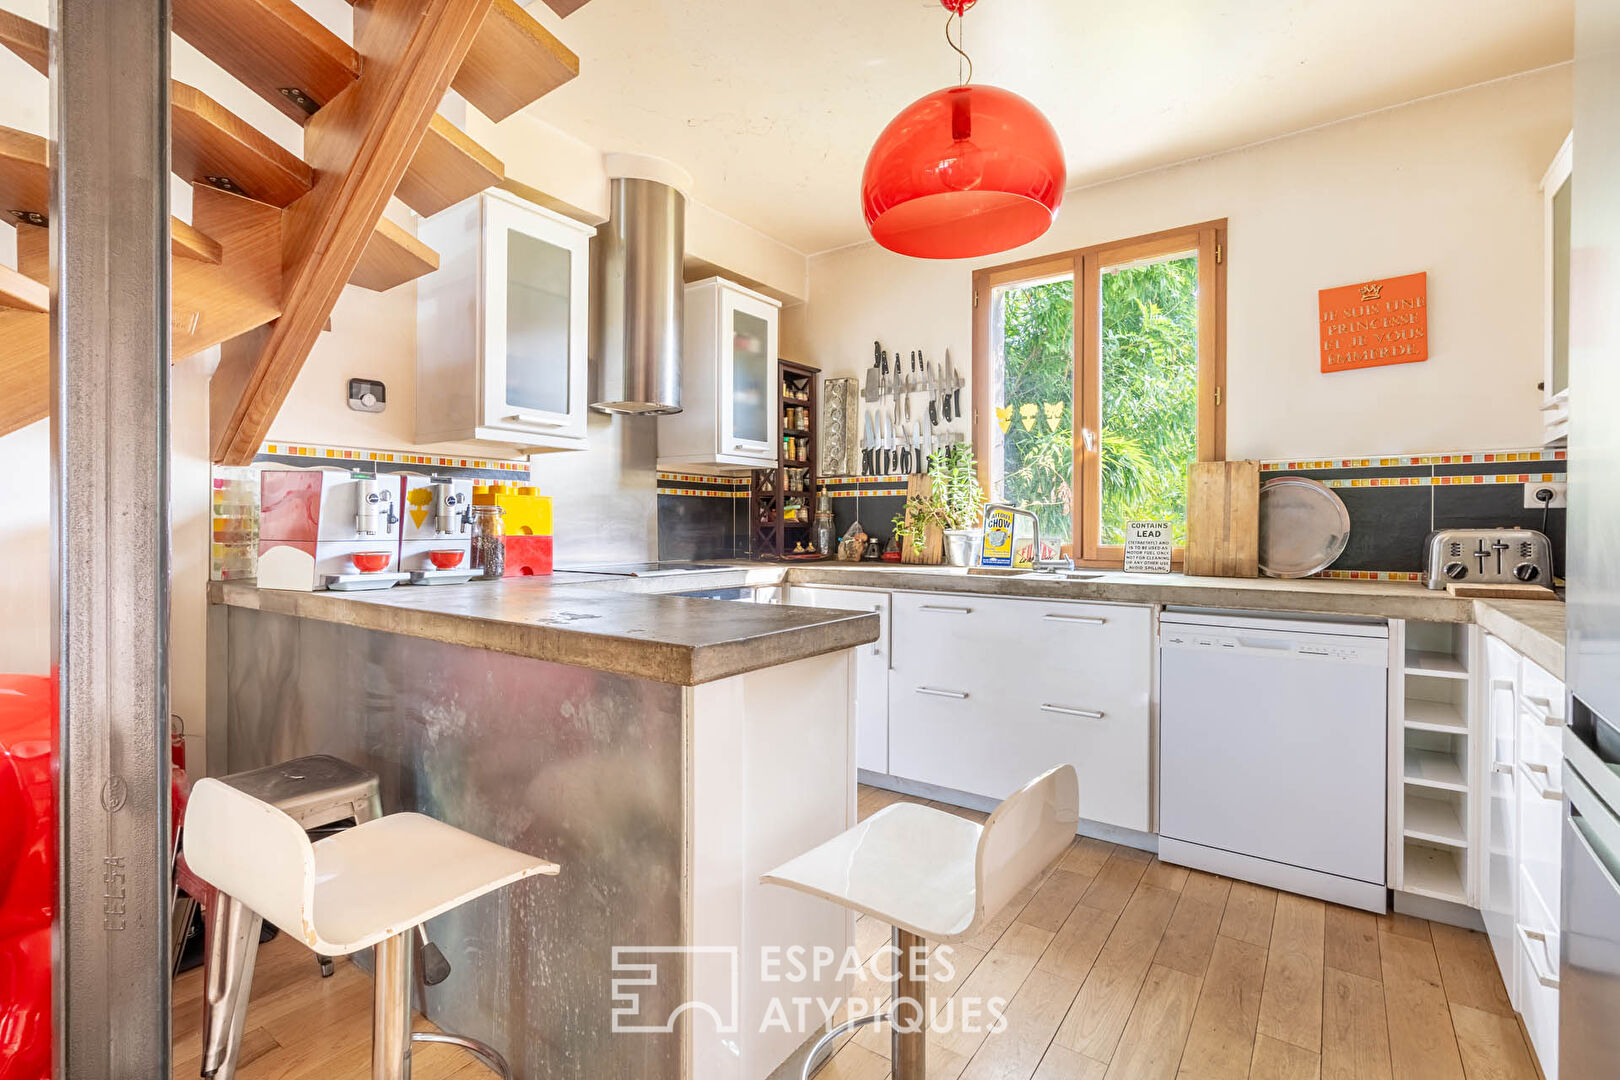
x=1147, y=547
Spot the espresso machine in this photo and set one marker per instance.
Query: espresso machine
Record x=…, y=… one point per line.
x=328, y=529
x=436, y=541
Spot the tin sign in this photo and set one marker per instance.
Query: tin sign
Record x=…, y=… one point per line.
x=1147, y=547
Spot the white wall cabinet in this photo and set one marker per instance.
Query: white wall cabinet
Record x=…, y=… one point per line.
x=502, y=326
x=728, y=417
x=1555, y=197
x=871, y=669
x=1523, y=839
x=986, y=693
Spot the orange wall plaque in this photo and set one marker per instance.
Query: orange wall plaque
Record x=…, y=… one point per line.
x=1375, y=323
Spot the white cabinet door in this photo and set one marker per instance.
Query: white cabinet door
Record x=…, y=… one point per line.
x=1500, y=838
x=747, y=376
x=536, y=275
x=871, y=670
x=1540, y=786
x=987, y=693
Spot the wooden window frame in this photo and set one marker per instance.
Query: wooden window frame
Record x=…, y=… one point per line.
x=1086, y=265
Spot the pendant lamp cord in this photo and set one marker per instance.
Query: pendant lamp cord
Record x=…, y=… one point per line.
x=961, y=40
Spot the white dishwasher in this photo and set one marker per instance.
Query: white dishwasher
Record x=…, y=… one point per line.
x=1272, y=751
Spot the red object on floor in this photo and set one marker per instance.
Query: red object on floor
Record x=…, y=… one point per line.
x=527, y=556
x=27, y=875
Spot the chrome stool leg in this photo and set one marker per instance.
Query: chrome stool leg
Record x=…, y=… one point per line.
x=481, y=1050
x=391, y=1010
x=810, y=1062
x=232, y=947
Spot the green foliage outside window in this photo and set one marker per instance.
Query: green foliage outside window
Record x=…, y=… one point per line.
x=1149, y=397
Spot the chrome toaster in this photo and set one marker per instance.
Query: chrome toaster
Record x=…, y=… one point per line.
x=1487, y=557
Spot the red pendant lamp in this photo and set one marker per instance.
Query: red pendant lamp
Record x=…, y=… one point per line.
x=966, y=171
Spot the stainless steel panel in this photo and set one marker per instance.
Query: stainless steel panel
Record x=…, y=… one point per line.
x=642, y=300
x=109, y=224
x=1594, y=378
x=1589, y=979
x=581, y=767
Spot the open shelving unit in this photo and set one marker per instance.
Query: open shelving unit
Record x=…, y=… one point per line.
x=1432, y=751
x=782, y=500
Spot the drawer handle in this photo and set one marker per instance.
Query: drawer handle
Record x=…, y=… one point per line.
x=1089, y=620
x=535, y=421
x=1541, y=709
x=960, y=695
x=940, y=609
x=1064, y=710
x=1539, y=775
x=1538, y=967
x=1502, y=766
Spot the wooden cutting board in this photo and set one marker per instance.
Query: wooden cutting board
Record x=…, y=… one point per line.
x=918, y=488
x=1500, y=592
x=1223, y=519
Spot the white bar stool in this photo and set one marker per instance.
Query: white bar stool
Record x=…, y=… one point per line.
x=371, y=885
x=935, y=877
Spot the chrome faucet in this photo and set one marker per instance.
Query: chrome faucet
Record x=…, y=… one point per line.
x=1036, y=562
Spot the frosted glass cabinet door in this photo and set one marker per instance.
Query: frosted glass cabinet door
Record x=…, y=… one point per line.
x=535, y=281
x=747, y=375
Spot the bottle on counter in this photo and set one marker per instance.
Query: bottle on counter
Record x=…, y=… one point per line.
x=826, y=532
x=489, y=542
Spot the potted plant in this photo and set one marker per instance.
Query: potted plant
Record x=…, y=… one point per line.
x=954, y=504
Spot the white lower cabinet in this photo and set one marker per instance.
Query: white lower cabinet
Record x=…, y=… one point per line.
x=987, y=693
x=1523, y=838
x=871, y=669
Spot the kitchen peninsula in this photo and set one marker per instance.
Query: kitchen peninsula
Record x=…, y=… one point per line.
x=664, y=750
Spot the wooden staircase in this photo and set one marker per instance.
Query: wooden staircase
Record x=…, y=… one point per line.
x=274, y=238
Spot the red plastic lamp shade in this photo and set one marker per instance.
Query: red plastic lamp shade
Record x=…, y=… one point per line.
x=968, y=170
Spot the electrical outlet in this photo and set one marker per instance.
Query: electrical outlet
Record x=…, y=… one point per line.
x=1559, y=488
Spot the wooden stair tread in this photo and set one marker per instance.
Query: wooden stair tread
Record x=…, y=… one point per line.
x=28, y=40
x=20, y=292
x=392, y=257
x=188, y=242
x=271, y=46
x=212, y=145
x=566, y=7
x=513, y=61
x=448, y=167
x=25, y=179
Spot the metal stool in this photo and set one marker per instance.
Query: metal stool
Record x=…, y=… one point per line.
x=316, y=792
x=937, y=877
x=371, y=885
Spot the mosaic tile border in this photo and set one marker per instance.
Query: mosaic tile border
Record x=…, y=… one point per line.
x=1369, y=575
x=306, y=454
x=1481, y=457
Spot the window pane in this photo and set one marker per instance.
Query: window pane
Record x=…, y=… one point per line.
x=1032, y=391
x=538, y=279
x=1149, y=407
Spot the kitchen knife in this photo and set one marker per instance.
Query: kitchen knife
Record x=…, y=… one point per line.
x=866, y=445
x=871, y=390
x=945, y=404
x=933, y=397
x=956, y=382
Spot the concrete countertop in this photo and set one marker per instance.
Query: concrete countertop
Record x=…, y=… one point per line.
x=626, y=625
x=669, y=639
x=1533, y=628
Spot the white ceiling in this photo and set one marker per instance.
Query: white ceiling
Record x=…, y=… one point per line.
x=773, y=104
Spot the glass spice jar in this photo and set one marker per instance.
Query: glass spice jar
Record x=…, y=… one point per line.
x=489, y=542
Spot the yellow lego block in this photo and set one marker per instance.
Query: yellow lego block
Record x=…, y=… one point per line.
x=525, y=511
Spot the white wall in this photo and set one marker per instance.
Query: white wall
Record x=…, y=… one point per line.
x=1447, y=185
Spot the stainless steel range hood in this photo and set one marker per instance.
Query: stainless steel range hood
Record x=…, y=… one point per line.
x=641, y=290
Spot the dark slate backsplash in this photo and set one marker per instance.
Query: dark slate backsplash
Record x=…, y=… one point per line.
x=1395, y=502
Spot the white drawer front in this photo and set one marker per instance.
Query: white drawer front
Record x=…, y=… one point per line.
x=1539, y=779
x=986, y=694
x=1538, y=975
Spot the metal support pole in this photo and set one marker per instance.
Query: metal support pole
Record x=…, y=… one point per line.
x=109, y=233
x=391, y=1009
x=908, y=1040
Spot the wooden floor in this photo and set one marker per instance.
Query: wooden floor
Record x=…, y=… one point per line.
x=1117, y=966
x=1114, y=966
x=303, y=1027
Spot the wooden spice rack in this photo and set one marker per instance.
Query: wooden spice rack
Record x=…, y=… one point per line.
x=782, y=500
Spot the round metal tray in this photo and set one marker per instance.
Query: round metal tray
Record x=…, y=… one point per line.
x=1303, y=527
